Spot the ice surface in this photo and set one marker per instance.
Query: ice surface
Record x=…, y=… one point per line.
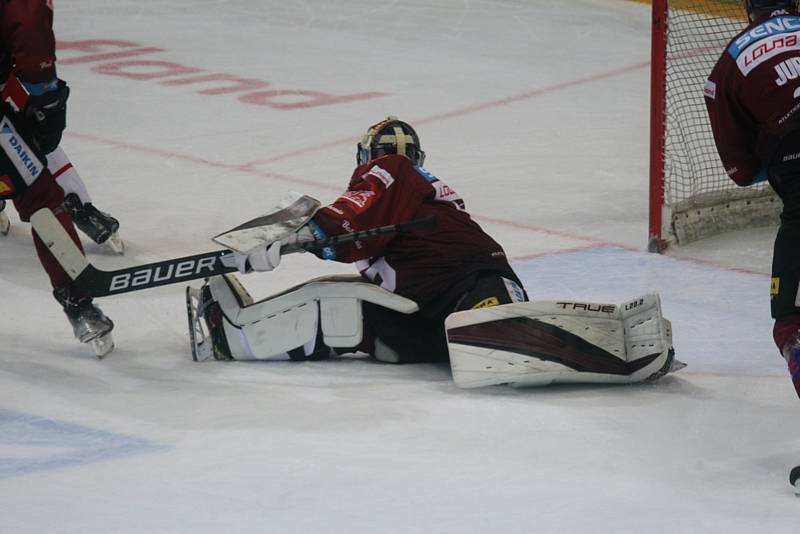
x=537, y=113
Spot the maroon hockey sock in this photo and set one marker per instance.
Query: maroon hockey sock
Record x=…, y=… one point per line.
x=793, y=359
x=787, y=336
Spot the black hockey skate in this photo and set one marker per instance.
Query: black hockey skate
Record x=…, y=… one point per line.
x=5, y=224
x=89, y=323
x=206, y=331
x=98, y=225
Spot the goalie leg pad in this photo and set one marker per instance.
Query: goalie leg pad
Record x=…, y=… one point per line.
x=5, y=223
x=325, y=312
x=538, y=343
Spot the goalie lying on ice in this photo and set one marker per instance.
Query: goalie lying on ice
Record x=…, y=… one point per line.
x=523, y=343
x=412, y=285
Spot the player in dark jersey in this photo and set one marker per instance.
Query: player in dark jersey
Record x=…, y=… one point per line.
x=455, y=266
x=753, y=102
x=32, y=119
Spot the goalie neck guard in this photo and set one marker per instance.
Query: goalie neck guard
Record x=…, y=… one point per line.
x=390, y=136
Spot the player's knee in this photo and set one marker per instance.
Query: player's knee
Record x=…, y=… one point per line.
x=43, y=193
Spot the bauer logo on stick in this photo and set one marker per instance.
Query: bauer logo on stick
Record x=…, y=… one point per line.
x=162, y=273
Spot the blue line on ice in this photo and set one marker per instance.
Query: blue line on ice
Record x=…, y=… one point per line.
x=30, y=444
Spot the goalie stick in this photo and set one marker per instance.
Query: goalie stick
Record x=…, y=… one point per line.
x=101, y=283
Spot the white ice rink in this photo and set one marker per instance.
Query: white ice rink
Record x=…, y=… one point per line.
x=536, y=111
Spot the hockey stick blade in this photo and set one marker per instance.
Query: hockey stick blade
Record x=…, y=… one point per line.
x=101, y=283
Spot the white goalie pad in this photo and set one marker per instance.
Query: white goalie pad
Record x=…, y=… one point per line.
x=5, y=223
x=268, y=329
x=539, y=343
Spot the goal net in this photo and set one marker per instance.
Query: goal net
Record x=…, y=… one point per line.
x=691, y=197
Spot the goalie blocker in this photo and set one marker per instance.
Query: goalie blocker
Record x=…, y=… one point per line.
x=523, y=344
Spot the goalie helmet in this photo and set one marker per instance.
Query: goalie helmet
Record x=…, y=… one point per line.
x=755, y=7
x=390, y=136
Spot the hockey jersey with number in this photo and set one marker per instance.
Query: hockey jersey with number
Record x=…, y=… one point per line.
x=753, y=94
x=28, y=44
x=427, y=266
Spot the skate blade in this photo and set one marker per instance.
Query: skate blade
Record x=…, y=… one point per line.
x=5, y=224
x=676, y=365
x=115, y=243
x=199, y=340
x=102, y=345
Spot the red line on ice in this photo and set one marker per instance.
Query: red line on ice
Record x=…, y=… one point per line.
x=470, y=109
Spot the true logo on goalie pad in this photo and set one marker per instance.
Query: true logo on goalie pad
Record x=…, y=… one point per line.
x=604, y=308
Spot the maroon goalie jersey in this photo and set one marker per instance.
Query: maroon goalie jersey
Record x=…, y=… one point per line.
x=753, y=95
x=427, y=266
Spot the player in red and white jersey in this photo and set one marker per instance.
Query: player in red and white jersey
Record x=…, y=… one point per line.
x=753, y=102
x=32, y=119
x=27, y=53
x=455, y=266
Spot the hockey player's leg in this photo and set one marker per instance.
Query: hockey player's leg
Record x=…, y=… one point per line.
x=301, y=323
x=99, y=226
x=5, y=223
x=784, y=295
x=420, y=337
x=224, y=324
x=89, y=324
x=394, y=337
x=537, y=343
x=786, y=333
x=206, y=329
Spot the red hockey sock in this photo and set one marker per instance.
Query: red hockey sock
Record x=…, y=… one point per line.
x=793, y=358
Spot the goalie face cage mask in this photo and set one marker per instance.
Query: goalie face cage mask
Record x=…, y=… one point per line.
x=390, y=136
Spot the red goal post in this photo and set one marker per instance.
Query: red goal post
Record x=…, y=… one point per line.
x=691, y=197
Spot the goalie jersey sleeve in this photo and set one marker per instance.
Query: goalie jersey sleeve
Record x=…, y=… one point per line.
x=753, y=95
x=426, y=265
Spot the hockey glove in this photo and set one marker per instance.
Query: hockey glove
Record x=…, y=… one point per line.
x=263, y=258
x=46, y=114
